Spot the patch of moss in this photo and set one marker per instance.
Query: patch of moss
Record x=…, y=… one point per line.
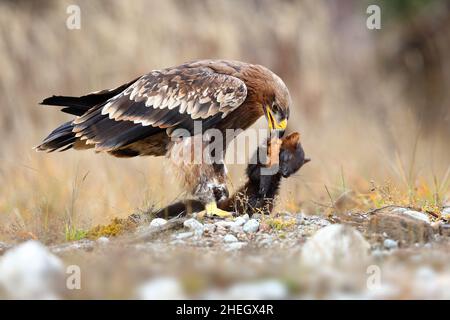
x=116, y=227
x=280, y=223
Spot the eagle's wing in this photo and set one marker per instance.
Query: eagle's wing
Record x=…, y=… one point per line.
x=164, y=99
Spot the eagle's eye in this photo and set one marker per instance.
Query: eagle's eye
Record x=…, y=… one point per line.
x=276, y=108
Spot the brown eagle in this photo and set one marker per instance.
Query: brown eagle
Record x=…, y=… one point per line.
x=141, y=117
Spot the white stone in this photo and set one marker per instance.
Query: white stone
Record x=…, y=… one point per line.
x=239, y=221
x=416, y=215
x=158, y=222
x=195, y=226
x=334, y=246
x=266, y=289
x=161, y=289
x=229, y=238
x=103, y=240
x=251, y=226
x=390, y=244
x=31, y=271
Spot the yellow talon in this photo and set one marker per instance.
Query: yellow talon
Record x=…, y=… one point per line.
x=212, y=210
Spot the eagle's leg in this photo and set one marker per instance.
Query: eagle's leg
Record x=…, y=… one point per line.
x=212, y=190
x=205, y=179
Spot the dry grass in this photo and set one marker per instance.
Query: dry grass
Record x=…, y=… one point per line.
x=357, y=119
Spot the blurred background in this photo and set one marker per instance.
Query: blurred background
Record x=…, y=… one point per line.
x=373, y=106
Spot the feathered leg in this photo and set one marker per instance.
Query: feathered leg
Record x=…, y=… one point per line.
x=203, y=176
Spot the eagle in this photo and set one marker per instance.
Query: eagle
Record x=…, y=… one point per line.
x=144, y=117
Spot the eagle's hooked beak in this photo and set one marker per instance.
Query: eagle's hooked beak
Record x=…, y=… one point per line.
x=275, y=125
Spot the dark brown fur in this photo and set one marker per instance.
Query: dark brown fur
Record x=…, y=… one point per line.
x=259, y=192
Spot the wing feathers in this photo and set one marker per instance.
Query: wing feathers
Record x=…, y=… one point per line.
x=161, y=100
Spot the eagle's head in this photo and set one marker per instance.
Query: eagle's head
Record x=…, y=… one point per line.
x=276, y=106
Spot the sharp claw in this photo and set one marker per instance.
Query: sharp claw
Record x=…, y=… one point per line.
x=212, y=210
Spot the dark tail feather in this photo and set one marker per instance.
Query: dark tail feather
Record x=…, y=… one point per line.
x=79, y=105
x=73, y=105
x=61, y=139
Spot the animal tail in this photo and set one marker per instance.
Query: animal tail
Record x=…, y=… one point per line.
x=80, y=105
x=61, y=139
x=181, y=208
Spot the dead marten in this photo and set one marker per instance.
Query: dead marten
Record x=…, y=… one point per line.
x=258, y=193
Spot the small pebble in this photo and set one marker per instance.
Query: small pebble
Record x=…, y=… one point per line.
x=103, y=240
x=195, y=226
x=229, y=238
x=446, y=213
x=239, y=221
x=390, y=244
x=251, y=226
x=158, y=222
x=210, y=228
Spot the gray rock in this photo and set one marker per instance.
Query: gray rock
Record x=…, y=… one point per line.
x=416, y=215
x=158, y=222
x=299, y=218
x=161, y=289
x=399, y=210
x=390, y=244
x=31, y=271
x=229, y=238
x=240, y=221
x=335, y=246
x=251, y=226
x=405, y=228
x=194, y=226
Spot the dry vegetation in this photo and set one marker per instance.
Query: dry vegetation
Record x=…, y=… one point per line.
x=371, y=107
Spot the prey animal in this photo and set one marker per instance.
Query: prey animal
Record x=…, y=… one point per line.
x=258, y=194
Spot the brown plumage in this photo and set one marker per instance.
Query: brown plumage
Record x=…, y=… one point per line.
x=141, y=117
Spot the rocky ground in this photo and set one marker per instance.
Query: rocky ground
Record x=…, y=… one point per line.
x=387, y=253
